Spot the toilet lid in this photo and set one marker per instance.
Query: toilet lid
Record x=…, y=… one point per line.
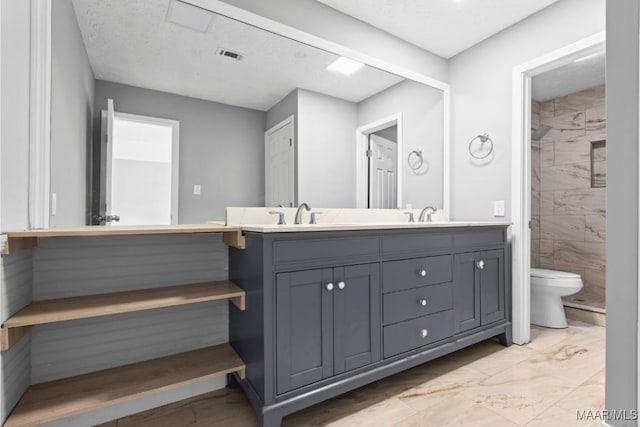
x=553, y=274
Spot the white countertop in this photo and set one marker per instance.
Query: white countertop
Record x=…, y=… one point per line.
x=288, y=228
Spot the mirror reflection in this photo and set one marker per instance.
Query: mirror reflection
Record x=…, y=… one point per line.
x=187, y=112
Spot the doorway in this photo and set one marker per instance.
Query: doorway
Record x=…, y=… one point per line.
x=140, y=159
x=279, y=164
x=521, y=173
x=378, y=166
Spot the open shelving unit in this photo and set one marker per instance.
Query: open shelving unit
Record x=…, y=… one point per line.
x=82, y=307
x=83, y=393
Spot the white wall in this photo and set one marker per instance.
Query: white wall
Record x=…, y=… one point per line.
x=320, y=20
x=422, y=111
x=326, y=150
x=480, y=79
x=14, y=132
x=72, y=93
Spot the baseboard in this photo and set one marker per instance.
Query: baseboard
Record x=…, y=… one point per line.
x=586, y=316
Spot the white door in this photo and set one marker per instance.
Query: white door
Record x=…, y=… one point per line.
x=279, y=164
x=383, y=176
x=142, y=170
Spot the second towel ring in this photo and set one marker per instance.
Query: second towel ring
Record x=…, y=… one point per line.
x=483, y=138
x=419, y=160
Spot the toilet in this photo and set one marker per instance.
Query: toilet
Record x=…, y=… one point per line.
x=547, y=289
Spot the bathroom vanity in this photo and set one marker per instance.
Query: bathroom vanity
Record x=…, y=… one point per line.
x=330, y=309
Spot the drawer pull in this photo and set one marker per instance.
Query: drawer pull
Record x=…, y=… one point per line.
x=422, y=272
x=424, y=333
x=480, y=265
x=329, y=286
x=341, y=285
x=422, y=302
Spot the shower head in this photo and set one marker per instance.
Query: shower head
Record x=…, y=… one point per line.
x=540, y=132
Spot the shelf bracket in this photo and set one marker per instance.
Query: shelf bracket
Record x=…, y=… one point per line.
x=239, y=301
x=15, y=244
x=10, y=336
x=234, y=239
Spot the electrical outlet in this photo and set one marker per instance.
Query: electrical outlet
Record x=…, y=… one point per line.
x=196, y=190
x=54, y=203
x=498, y=208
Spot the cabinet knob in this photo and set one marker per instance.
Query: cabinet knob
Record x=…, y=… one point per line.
x=329, y=286
x=424, y=333
x=341, y=285
x=422, y=272
x=480, y=264
x=422, y=302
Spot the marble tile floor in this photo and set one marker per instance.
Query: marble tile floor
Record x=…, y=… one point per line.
x=543, y=383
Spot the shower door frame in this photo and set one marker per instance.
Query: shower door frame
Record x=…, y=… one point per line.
x=521, y=173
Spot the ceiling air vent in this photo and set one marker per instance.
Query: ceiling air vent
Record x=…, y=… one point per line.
x=229, y=54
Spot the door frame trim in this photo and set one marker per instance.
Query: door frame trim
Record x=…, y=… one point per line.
x=362, y=174
x=175, y=152
x=40, y=115
x=520, y=237
x=288, y=120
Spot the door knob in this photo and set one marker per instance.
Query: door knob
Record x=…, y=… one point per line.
x=422, y=272
x=329, y=286
x=480, y=264
x=422, y=302
x=341, y=285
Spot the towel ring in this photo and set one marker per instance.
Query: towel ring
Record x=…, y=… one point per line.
x=483, y=138
x=419, y=162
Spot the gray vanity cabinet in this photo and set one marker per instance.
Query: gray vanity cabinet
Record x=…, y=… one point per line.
x=330, y=311
x=327, y=322
x=478, y=289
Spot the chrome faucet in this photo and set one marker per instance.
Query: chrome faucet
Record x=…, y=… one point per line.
x=298, y=219
x=424, y=211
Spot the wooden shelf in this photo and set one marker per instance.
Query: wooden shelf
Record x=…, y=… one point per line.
x=54, y=400
x=18, y=240
x=81, y=307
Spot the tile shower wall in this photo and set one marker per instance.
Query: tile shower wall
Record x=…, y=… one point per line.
x=568, y=180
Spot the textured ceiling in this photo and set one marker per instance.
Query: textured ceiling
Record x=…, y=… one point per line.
x=131, y=42
x=444, y=27
x=570, y=78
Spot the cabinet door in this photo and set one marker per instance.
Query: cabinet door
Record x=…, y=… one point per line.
x=357, y=323
x=466, y=295
x=492, y=303
x=304, y=328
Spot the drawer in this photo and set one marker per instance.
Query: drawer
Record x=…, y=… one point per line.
x=416, y=272
x=412, y=303
x=417, y=240
x=411, y=334
x=301, y=250
x=479, y=237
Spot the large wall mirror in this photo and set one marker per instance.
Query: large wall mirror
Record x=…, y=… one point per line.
x=187, y=112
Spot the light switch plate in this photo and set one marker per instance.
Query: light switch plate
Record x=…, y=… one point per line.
x=498, y=208
x=196, y=190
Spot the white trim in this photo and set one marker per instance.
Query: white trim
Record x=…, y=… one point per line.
x=175, y=155
x=40, y=115
x=233, y=12
x=362, y=142
x=288, y=120
x=520, y=172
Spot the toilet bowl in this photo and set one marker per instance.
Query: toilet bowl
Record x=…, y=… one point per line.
x=547, y=289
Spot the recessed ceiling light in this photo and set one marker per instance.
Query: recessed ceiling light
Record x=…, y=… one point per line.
x=584, y=58
x=345, y=66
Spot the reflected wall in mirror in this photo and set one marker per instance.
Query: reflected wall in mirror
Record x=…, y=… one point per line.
x=262, y=120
